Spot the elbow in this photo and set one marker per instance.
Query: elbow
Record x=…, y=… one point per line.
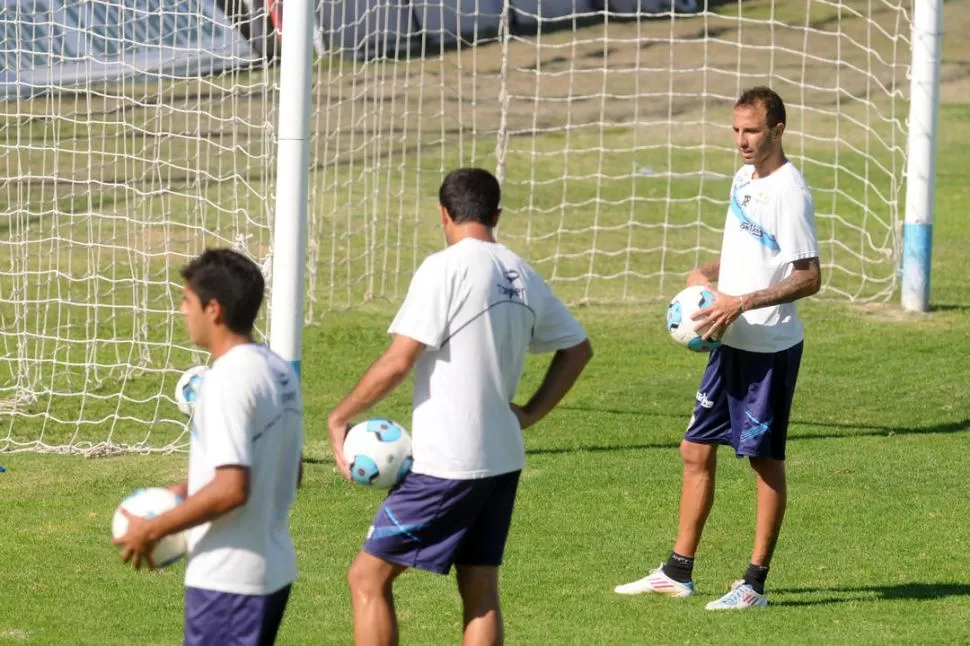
x=582, y=353
x=816, y=285
x=238, y=500
x=398, y=368
x=235, y=497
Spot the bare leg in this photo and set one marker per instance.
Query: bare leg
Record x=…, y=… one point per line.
x=371, y=589
x=772, y=499
x=478, y=585
x=697, y=494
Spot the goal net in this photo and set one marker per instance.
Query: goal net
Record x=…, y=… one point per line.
x=133, y=133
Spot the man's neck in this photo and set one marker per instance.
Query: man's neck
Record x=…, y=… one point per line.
x=473, y=230
x=224, y=341
x=770, y=165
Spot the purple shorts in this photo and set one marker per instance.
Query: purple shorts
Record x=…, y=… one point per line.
x=744, y=401
x=214, y=618
x=432, y=523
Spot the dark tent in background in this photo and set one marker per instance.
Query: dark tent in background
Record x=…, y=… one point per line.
x=367, y=29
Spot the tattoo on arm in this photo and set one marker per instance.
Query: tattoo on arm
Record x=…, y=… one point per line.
x=804, y=280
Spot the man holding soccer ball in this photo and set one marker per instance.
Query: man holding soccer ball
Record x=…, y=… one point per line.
x=471, y=313
x=769, y=259
x=244, y=465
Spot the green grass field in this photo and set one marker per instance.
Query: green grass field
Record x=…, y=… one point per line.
x=873, y=550
x=875, y=544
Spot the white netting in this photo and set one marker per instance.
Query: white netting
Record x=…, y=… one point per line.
x=143, y=133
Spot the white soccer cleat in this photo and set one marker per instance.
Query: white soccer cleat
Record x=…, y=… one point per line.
x=658, y=583
x=741, y=596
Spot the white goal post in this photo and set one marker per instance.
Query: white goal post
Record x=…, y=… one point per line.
x=133, y=133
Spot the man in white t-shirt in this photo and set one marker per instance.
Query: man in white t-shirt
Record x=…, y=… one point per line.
x=471, y=314
x=769, y=259
x=244, y=465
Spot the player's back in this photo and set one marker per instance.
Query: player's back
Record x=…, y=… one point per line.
x=476, y=305
x=249, y=414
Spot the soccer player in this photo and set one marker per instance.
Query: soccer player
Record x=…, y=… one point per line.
x=769, y=259
x=471, y=313
x=244, y=465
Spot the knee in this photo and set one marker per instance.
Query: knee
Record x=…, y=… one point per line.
x=769, y=470
x=698, y=458
x=362, y=581
x=478, y=590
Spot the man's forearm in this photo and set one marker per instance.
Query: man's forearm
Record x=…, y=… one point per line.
x=210, y=502
x=798, y=285
x=563, y=371
x=381, y=378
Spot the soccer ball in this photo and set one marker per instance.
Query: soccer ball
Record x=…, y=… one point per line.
x=379, y=453
x=682, y=329
x=188, y=387
x=149, y=503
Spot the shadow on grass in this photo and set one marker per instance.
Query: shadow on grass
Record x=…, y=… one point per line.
x=849, y=431
x=846, y=430
x=902, y=591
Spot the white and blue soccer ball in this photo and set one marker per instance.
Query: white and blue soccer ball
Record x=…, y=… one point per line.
x=148, y=503
x=682, y=328
x=379, y=453
x=188, y=388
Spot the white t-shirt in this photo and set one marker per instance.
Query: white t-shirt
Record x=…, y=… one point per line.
x=478, y=308
x=249, y=413
x=770, y=224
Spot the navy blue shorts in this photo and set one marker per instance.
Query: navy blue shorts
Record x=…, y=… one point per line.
x=433, y=523
x=215, y=618
x=744, y=401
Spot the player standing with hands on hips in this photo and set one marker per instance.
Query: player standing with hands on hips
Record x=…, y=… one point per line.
x=244, y=465
x=769, y=259
x=471, y=314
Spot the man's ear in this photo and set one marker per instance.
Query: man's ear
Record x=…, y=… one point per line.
x=445, y=216
x=213, y=310
x=498, y=214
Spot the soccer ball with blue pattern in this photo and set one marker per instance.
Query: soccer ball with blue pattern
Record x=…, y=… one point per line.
x=679, y=323
x=148, y=503
x=188, y=387
x=379, y=453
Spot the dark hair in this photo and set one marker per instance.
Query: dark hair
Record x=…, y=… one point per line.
x=232, y=280
x=764, y=96
x=471, y=195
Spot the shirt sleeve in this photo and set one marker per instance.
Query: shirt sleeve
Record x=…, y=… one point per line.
x=228, y=422
x=556, y=328
x=796, y=234
x=424, y=314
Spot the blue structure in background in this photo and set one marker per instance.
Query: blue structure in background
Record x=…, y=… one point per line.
x=367, y=29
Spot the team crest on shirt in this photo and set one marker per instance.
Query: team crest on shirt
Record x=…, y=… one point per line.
x=509, y=289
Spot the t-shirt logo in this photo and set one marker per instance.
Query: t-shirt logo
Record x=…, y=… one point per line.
x=750, y=226
x=509, y=290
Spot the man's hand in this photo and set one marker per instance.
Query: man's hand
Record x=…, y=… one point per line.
x=705, y=275
x=713, y=321
x=697, y=277
x=181, y=489
x=525, y=421
x=338, y=429
x=137, y=544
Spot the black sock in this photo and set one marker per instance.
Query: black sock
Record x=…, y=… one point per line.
x=755, y=576
x=679, y=568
